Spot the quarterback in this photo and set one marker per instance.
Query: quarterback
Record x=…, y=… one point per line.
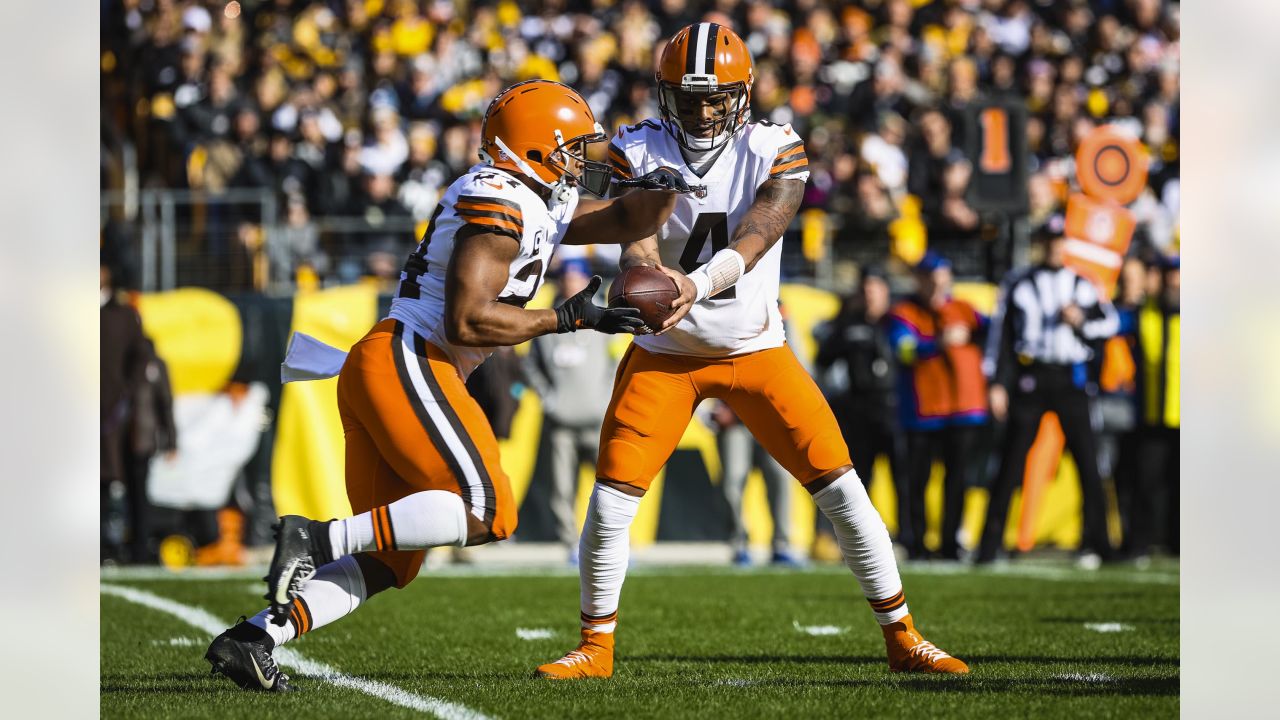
x=422, y=464
x=725, y=341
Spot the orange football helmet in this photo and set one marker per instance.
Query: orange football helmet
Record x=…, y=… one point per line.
x=705, y=60
x=541, y=129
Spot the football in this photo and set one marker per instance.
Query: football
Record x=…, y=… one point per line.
x=646, y=289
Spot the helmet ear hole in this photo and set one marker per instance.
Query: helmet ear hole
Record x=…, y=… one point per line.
x=534, y=155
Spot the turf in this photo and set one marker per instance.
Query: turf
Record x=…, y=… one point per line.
x=692, y=643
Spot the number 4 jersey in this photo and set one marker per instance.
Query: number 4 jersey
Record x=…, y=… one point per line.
x=485, y=200
x=744, y=318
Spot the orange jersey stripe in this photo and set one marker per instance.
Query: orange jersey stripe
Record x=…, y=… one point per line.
x=802, y=162
x=495, y=222
x=463, y=205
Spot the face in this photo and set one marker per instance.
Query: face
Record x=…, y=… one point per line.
x=701, y=113
x=936, y=284
x=1055, y=252
x=875, y=295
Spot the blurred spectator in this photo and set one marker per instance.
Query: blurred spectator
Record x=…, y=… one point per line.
x=296, y=245
x=573, y=375
x=856, y=365
x=1116, y=404
x=175, y=75
x=1158, y=345
x=152, y=433
x=739, y=453
x=941, y=395
x=1036, y=361
x=123, y=368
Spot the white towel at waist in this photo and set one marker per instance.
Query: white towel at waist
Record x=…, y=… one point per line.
x=310, y=359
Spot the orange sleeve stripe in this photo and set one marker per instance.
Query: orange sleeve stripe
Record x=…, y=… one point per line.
x=495, y=222
x=788, y=153
x=802, y=162
x=461, y=206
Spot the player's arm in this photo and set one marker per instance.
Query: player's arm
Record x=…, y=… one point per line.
x=634, y=216
x=478, y=272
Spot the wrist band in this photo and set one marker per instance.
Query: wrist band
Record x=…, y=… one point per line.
x=723, y=270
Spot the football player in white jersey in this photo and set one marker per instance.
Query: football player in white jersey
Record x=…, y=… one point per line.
x=725, y=340
x=422, y=467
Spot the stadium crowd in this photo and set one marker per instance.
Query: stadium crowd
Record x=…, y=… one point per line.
x=355, y=115
x=367, y=109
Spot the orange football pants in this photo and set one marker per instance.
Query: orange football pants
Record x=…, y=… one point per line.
x=411, y=425
x=654, y=396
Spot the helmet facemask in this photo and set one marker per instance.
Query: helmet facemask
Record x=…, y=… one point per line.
x=570, y=159
x=686, y=110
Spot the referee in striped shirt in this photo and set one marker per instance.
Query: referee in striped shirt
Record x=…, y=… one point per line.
x=1037, y=353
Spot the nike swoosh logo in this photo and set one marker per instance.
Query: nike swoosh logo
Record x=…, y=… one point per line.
x=282, y=590
x=266, y=684
x=495, y=187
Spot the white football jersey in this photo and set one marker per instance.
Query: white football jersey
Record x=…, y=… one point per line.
x=485, y=200
x=744, y=318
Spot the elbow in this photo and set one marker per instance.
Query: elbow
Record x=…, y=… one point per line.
x=462, y=331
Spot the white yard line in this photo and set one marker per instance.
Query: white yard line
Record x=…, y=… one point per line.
x=535, y=633
x=1108, y=627
x=207, y=623
x=817, y=630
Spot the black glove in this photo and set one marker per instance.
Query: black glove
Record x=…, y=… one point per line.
x=579, y=312
x=664, y=178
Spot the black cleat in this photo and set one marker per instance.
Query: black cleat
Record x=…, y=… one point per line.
x=243, y=654
x=302, y=546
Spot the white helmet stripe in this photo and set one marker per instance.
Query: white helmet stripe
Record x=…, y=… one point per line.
x=700, y=50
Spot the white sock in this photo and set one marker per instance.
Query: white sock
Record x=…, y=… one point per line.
x=603, y=553
x=865, y=544
x=426, y=519
x=336, y=590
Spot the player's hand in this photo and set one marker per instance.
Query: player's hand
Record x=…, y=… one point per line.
x=999, y=398
x=664, y=178
x=1073, y=316
x=579, y=312
x=682, y=304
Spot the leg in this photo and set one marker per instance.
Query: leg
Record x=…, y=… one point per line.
x=432, y=476
x=1072, y=406
x=735, y=444
x=1173, y=485
x=1025, y=411
x=920, y=447
x=786, y=412
x=778, y=490
x=959, y=440
x=653, y=400
x=564, y=481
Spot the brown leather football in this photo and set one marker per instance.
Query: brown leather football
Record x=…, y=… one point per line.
x=646, y=289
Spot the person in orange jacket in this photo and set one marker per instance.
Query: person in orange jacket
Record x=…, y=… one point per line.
x=942, y=394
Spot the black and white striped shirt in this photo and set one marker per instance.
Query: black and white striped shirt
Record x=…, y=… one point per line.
x=1030, y=314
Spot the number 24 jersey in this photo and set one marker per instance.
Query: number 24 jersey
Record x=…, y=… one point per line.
x=744, y=318
x=485, y=200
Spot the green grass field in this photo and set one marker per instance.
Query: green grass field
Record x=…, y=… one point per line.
x=693, y=642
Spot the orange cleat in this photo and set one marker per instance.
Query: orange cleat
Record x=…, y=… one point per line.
x=593, y=658
x=909, y=652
